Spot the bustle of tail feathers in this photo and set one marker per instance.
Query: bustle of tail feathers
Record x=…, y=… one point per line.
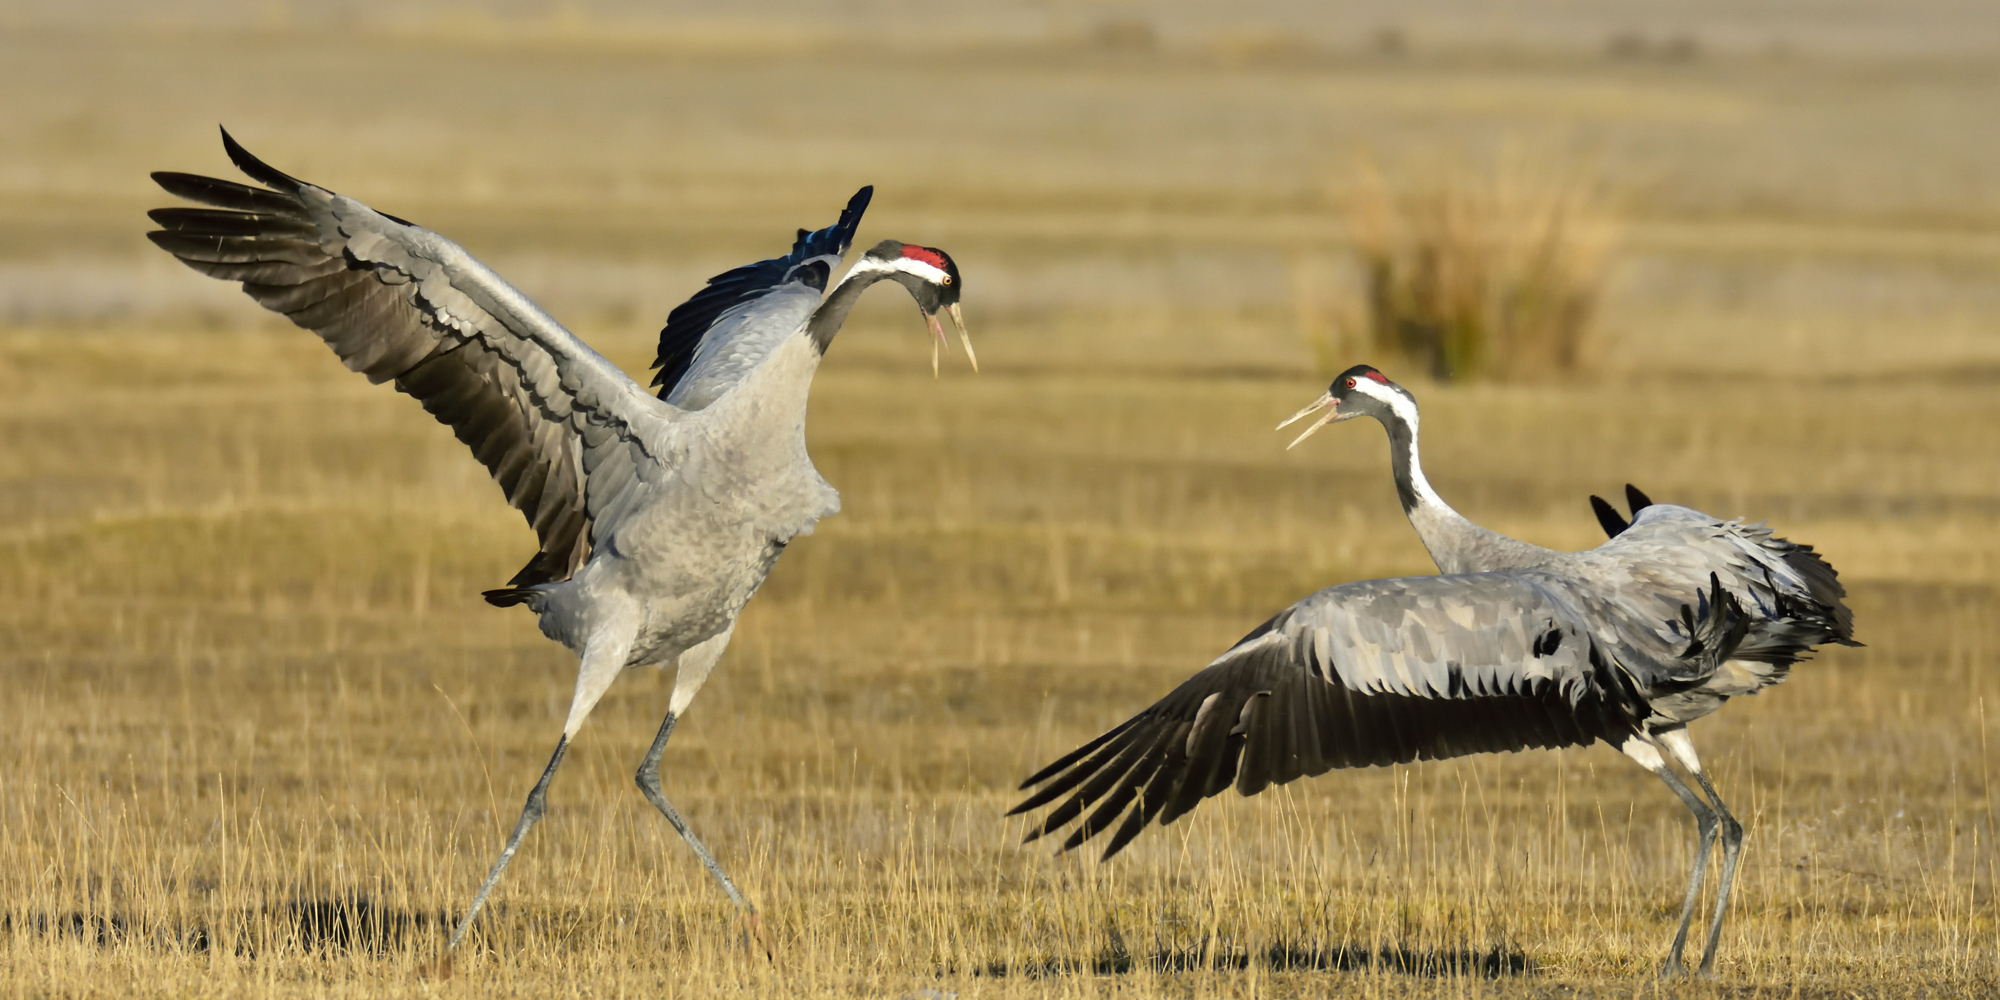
x=1818, y=616
x=1716, y=627
x=1823, y=583
x=507, y=597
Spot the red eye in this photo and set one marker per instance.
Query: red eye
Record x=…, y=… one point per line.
x=1350, y=383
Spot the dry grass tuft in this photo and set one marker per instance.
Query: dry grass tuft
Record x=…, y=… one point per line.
x=1483, y=275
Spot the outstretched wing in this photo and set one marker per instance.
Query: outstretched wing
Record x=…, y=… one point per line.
x=568, y=436
x=1370, y=673
x=713, y=339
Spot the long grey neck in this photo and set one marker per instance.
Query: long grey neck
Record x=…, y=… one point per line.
x=1455, y=543
x=827, y=319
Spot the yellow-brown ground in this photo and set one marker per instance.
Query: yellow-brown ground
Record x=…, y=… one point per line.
x=260, y=737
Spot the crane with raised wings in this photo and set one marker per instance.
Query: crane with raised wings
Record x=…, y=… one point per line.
x=658, y=516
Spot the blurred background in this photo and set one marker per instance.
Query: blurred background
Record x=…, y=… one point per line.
x=1136, y=184
x=1746, y=256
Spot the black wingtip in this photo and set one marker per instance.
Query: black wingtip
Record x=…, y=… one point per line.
x=1636, y=500
x=850, y=217
x=1135, y=821
x=507, y=597
x=1608, y=516
x=257, y=169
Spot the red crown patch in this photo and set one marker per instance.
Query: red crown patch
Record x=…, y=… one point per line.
x=925, y=254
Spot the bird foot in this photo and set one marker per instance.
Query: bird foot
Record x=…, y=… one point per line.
x=1675, y=970
x=753, y=936
x=438, y=971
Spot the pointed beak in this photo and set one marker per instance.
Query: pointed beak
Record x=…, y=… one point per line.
x=931, y=320
x=964, y=335
x=1332, y=412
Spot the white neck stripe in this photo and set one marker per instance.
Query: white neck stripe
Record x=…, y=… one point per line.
x=1405, y=410
x=906, y=265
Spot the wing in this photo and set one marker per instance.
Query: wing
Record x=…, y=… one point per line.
x=568, y=436
x=1378, y=672
x=1636, y=499
x=713, y=339
x=1608, y=517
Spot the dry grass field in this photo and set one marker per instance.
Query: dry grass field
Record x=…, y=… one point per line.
x=259, y=735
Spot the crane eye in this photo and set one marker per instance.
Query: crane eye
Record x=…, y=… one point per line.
x=1350, y=383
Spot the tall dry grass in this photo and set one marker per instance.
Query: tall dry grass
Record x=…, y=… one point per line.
x=1492, y=273
x=264, y=737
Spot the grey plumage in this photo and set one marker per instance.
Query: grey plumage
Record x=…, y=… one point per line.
x=658, y=518
x=401, y=304
x=1426, y=668
x=1518, y=646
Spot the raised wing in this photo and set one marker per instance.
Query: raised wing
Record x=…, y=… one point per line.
x=713, y=339
x=1372, y=673
x=568, y=436
x=1608, y=516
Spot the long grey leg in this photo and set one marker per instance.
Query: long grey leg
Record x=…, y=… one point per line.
x=1678, y=743
x=1642, y=750
x=530, y=815
x=648, y=779
x=1732, y=846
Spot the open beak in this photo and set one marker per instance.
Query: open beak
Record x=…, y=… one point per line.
x=931, y=320
x=964, y=335
x=1332, y=413
x=957, y=320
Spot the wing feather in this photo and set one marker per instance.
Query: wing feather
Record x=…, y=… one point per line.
x=716, y=337
x=229, y=195
x=1363, y=674
x=558, y=426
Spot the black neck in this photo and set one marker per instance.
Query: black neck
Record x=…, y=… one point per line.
x=827, y=319
x=1403, y=458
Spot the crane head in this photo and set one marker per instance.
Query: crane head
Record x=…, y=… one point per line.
x=1357, y=392
x=931, y=277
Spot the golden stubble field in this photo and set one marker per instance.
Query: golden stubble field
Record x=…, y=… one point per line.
x=262, y=738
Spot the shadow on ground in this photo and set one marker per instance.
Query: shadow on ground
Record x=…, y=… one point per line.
x=1487, y=963
x=337, y=924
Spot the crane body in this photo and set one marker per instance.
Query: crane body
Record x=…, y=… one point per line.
x=739, y=489
x=659, y=516
x=1516, y=646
